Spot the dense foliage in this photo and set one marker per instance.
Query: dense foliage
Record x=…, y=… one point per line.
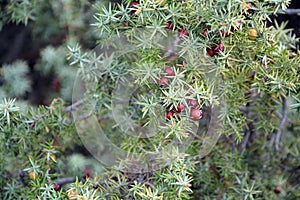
x=216, y=82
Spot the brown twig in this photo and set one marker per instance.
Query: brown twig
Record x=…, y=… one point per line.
x=65, y=180
x=279, y=115
x=282, y=123
x=246, y=138
x=250, y=129
x=74, y=106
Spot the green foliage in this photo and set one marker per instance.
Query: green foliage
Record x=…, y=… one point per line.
x=27, y=143
x=265, y=67
x=18, y=11
x=15, y=81
x=250, y=84
x=51, y=64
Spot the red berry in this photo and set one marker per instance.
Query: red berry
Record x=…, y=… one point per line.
x=216, y=49
x=219, y=47
x=56, y=85
x=210, y=51
x=277, y=190
x=170, y=71
x=183, y=33
x=180, y=107
x=170, y=114
x=87, y=172
x=170, y=26
x=226, y=34
x=196, y=114
x=133, y=5
x=193, y=103
x=204, y=32
x=162, y=82
x=56, y=187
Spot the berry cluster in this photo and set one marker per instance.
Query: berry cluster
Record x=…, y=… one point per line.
x=214, y=47
x=164, y=81
x=195, y=113
x=212, y=51
x=217, y=46
x=181, y=32
x=171, y=113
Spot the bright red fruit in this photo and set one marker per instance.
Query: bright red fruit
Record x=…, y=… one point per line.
x=170, y=114
x=183, y=33
x=277, y=190
x=56, y=187
x=180, y=107
x=170, y=71
x=226, y=34
x=162, y=82
x=134, y=6
x=196, y=114
x=210, y=51
x=193, y=103
x=219, y=47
